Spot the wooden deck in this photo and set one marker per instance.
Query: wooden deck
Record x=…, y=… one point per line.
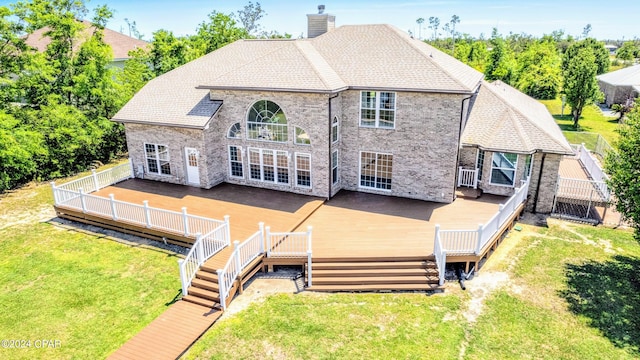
x=170, y=334
x=245, y=205
x=354, y=224
x=571, y=168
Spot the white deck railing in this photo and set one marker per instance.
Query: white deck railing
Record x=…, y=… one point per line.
x=472, y=241
x=243, y=254
x=99, y=180
x=440, y=255
x=580, y=189
x=591, y=165
x=291, y=244
x=204, y=248
x=467, y=177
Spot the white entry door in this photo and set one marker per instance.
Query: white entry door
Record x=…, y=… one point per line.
x=193, y=172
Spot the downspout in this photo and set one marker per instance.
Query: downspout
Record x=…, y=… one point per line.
x=329, y=147
x=455, y=178
x=535, y=198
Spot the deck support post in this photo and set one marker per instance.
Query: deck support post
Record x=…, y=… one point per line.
x=185, y=221
x=236, y=255
x=309, y=230
x=268, y=240
x=95, y=180
x=83, y=202
x=182, y=277
x=478, y=244
x=221, y=282
x=228, y=234
x=114, y=213
x=55, y=193
x=309, y=276
x=261, y=226
x=147, y=216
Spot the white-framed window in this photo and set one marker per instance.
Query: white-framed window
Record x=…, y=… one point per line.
x=235, y=131
x=269, y=165
x=301, y=136
x=376, y=170
x=303, y=170
x=236, y=169
x=157, y=157
x=378, y=109
x=266, y=122
x=334, y=167
x=503, y=169
x=480, y=163
x=528, y=165
x=335, y=130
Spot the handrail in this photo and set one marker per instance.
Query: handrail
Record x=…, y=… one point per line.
x=440, y=255
x=473, y=241
x=467, y=177
x=288, y=244
x=99, y=180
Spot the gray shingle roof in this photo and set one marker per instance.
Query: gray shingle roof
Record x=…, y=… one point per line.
x=625, y=76
x=504, y=119
x=363, y=56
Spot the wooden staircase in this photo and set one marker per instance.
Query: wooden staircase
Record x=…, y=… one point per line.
x=204, y=289
x=375, y=274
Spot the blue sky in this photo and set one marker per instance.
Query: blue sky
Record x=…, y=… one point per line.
x=535, y=17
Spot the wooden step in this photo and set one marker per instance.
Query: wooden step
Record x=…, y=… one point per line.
x=366, y=280
x=373, y=265
x=204, y=284
x=374, y=259
x=209, y=268
x=201, y=301
x=375, y=287
x=374, y=272
x=203, y=293
x=206, y=275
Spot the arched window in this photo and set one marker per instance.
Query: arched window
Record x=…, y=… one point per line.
x=302, y=138
x=266, y=121
x=234, y=131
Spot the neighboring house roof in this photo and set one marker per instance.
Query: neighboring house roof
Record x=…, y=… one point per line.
x=349, y=57
x=504, y=119
x=120, y=43
x=628, y=76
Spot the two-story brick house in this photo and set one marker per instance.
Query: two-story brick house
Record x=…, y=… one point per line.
x=364, y=108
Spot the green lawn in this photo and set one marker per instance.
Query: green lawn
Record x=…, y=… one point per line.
x=572, y=293
x=592, y=120
x=86, y=290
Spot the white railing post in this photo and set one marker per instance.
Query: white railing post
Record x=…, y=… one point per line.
x=82, y=201
x=228, y=233
x=479, y=242
x=443, y=267
x=236, y=254
x=268, y=240
x=185, y=221
x=147, y=215
x=261, y=226
x=199, y=249
x=183, y=279
x=132, y=175
x=114, y=213
x=55, y=192
x=222, y=289
x=460, y=179
x=500, y=211
x=95, y=180
x=309, y=230
x=475, y=178
x=309, y=276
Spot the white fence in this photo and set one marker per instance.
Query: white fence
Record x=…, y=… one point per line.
x=440, y=255
x=472, y=241
x=467, y=177
x=591, y=165
x=291, y=244
x=243, y=254
x=204, y=248
x=99, y=180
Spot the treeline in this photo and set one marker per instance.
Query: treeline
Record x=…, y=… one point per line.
x=55, y=105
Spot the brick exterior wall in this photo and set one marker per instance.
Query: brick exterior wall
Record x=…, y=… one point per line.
x=548, y=183
x=308, y=111
x=468, y=156
x=424, y=145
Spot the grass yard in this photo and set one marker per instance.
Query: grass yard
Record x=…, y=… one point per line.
x=592, y=120
x=571, y=292
x=86, y=290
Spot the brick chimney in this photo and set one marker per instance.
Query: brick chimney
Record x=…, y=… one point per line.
x=320, y=23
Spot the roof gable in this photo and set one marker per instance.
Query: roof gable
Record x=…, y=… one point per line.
x=504, y=119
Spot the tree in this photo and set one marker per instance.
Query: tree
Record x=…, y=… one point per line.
x=622, y=109
x=20, y=151
x=580, y=84
x=501, y=63
x=167, y=51
x=420, y=21
x=220, y=30
x=600, y=53
x=12, y=57
x=628, y=51
x=538, y=71
x=623, y=168
x=249, y=17
x=133, y=29
x=586, y=30
x=434, y=24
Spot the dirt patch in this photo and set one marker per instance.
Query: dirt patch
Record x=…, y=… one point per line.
x=41, y=214
x=480, y=288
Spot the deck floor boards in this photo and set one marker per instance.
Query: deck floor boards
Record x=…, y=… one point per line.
x=170, y=334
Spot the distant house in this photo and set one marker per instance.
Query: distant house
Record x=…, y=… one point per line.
x=621, y=85
x=611, y=48
x=121, y=44
x=363, y=108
